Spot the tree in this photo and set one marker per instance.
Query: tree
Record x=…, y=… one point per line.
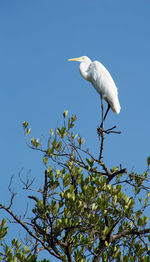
x=83, y=212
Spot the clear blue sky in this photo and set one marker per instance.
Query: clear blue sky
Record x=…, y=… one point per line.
x=37, y=82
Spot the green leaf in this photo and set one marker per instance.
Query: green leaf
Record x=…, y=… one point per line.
x=145, y=200
x=148, y=194
x=3, y=222
x=65, y=113
x=71, y=121
x=73, y=118
x=148, y=161
x=106, y=231
x=45, y=160
x=140, y=221
x=51, y=131
x=54, y=185
x=35, y=142
x=25, y=124
x=62, y=132
x=58, y=174
x=138, y=213
x=118, y=177
x=3, y=232
x=90, y=162
x=28, y=131
x=81, y=141
x=58, y=131
x=66, y=180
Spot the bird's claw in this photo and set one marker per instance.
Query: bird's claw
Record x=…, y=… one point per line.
x=110, y=130
x=100, y=131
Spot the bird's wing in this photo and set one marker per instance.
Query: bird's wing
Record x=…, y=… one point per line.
x=93, y=72
x=105, y=85
x=100, y=70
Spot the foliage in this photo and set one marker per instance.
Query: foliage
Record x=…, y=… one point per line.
x=16, y=252
x=85, y=211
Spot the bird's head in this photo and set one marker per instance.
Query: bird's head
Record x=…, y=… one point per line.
x=84, y=65
x=81, y=59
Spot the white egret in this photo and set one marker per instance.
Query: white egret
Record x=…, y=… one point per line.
x=102, y=81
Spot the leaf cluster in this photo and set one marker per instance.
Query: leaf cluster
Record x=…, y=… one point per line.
x=88, y=212
x=85, y=210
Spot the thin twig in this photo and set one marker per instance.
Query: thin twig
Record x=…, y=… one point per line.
x=30, y=232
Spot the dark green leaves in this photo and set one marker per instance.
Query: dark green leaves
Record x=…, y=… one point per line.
x=15, y=252
x=35, y=142
x=25, y=127
x=71, y=121
x=85, y=206
x=148, y=161
x=25, y=124
x=65, y=113
x=66, y=179
x=61, y=132
x=3, y=229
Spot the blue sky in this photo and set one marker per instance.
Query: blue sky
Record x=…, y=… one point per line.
x=37, y=82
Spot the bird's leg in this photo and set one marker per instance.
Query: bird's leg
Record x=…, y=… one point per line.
x=102, y=107
x=108, y=131
x=108, y=107
x=100, y=129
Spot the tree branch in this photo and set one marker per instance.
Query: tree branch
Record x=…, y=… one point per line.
x=29, y=232
x=129, y=232
x=111, y=176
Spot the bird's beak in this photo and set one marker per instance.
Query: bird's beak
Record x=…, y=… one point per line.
x=74, y=59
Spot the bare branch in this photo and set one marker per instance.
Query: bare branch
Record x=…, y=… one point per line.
x=11, y=192
x=28, y=182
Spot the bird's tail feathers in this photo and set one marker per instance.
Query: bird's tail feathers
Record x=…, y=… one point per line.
x=116, y=107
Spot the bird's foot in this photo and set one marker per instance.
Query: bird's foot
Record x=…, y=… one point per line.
x=100, y=131
x=110, y=130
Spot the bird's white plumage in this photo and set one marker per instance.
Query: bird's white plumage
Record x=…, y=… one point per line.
x=104, y=85
x=98, y=75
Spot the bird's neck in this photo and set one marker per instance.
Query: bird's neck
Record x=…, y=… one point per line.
x=84, y=70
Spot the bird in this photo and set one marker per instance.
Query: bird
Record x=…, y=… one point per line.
x=97, y=74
